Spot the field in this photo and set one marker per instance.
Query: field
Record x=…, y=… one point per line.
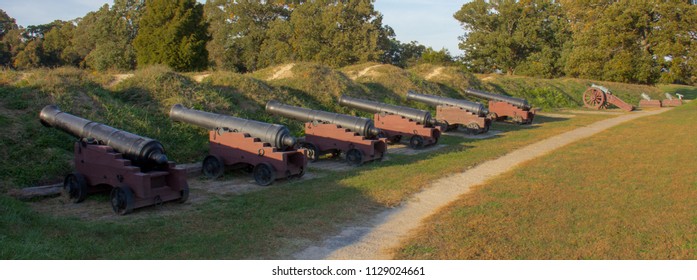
x=628, y=193
x=270, y=223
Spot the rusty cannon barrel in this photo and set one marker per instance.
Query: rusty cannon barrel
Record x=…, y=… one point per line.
x=519, y=102
x=474, y=107
x=362, y=126
x=274, y=134
x=416, y=115
x=138, y=149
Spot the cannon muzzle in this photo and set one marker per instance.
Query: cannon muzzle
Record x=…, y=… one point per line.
x=474, y=107
x=138, y=149
x=519, y=102
x=277, y=135
x=362, y=126
x=416, y=115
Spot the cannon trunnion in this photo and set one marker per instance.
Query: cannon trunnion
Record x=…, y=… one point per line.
x=265, y=149
x=331, y=133
x=135, y=168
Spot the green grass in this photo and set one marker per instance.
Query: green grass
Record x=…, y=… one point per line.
x=688, y=91
x=627, y=193
x=253, y=225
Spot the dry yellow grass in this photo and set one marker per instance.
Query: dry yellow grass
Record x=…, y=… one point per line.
x=628, y=193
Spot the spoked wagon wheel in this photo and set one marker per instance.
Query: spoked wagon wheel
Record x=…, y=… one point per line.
x=122, y=200
x=264, y=174
x=594, y=98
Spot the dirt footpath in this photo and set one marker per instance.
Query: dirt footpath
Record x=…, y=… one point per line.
x=388, y=229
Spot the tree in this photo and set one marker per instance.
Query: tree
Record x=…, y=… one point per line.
x=218, y=28
x=632, y=41
x=7, y=25
x=173, y=33
x=57, y=47
x=250, y=29
x=509, y=36
x=432, y=56
x=404, y=54
x=30, y=56
x=336, y=33
x=349, y=32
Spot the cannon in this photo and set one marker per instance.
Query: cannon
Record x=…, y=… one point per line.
x=267, y=150
x=599, y=97
x=451, y=113
x=331, y=133
x=397, y=122
x=135, y=168
x=671, y=102
x=503, y=107
x=647, y=102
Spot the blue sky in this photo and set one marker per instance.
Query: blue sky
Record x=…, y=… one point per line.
x=430, y=22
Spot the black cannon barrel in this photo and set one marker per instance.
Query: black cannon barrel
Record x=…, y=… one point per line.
x=362, y=126
x=433, y=100
x=416, y=115
x=134, y=147
x=275, y=134
x=521, y=103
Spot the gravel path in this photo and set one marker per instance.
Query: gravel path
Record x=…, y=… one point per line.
x=388, y=229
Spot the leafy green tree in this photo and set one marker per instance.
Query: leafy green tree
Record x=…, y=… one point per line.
x=336, y=33
x=404, y=54
x=632, y=41
x=174, y=33
x=250, y=24
x=218, y=28
x=441, y=57
x=7, y=25
x=57, y=47
x=509, y=35
x=277, y=48
x=30, y=51
x=30, y=56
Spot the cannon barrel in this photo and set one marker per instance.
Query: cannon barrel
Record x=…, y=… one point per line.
x=362, y=126
x=473, y=107
x=416, y=115
x=519, y=102
x=275, y=134
x=140, y=150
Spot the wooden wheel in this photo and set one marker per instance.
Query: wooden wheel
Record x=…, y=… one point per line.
x=312, y=151
x=416, y=142
x=594, y=98
x=264, y=174
x=75, y=187
x=354, y=157
x=122, y=200
x=213, y=167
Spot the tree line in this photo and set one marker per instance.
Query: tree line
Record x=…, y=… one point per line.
x=633, y=41
x=637, y=41
x=228, y=35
